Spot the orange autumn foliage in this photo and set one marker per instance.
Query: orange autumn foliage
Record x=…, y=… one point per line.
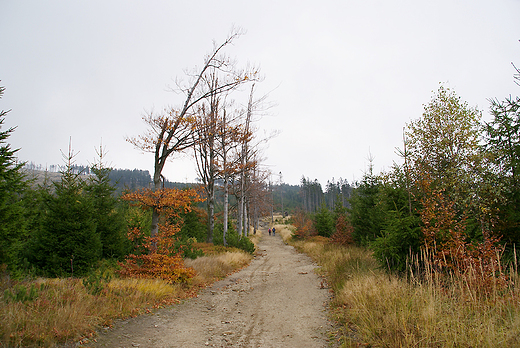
x=303, y=224
x=166, y=201
x=155, y=265
x=344, y=231
x=449, y=250
x=162, y=260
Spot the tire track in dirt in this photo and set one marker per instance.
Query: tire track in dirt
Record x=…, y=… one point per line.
x=275, y=302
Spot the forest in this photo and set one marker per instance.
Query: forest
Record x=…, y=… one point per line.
x=450, y=206
x=452, y=165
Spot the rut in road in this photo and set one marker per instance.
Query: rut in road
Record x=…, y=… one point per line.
x=276, y=301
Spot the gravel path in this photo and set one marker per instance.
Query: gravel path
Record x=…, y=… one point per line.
x=277, y=301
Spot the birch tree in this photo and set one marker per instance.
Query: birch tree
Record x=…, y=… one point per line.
x=443, y=144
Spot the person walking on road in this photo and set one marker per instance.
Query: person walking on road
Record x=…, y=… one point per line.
x=274, y=230
x=269, y=231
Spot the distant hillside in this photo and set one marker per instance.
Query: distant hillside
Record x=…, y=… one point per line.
x=38, y=177
x=121, y=179
x=126, y=179
x=134, y=179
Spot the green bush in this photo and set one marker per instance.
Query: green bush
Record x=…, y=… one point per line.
x=324, y=222
x=245, y=244
x=232, y=238
x=401, y=237
x=19, y=293
x=194, y=224
x=185, y=245
x=97, y=280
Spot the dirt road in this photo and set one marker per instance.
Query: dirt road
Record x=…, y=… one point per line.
x=277, y=301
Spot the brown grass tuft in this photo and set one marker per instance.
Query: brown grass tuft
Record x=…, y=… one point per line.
x=285, y=231
x=255, y=238
x=214, y=267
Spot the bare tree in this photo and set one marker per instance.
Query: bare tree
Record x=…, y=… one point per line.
x=172, y=131
x=245, y=165
x=207, y=132
x=230, y=138
x=248, y=162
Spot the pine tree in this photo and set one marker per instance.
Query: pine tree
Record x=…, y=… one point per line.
x=109, y=220
x=366, y=215
x=68, y=243
x=503, y=146
x=12, y=184
x=324, y=221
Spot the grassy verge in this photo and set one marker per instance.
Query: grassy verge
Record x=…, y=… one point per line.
x=214, y=267
x=285, y=231
x=380, y=310
x=49, y=312
x=255, y=238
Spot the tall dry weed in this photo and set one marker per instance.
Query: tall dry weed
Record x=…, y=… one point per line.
x=390, y=312
x=285, y=231
x=421, y=310
x=255, y=238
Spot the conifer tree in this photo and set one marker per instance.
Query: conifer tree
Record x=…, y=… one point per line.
x=365, y=211
x=110, y=224
x=12, y=184
x=324, y=221
x=503, y=146
x=68, y=243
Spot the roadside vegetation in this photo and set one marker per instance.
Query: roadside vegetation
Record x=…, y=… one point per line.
x=422, y=308
x=425, y=254
x=46, y=312
x=77, y=252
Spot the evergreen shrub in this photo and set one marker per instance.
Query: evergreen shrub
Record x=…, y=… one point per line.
x=324, y=222
x=401, y=237
x=232, y=238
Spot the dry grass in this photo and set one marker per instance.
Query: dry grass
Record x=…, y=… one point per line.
x=285, y=231
x=61, y=310
x=215, y=267
x=388, y=311
x=380, y=310
x=255, y=238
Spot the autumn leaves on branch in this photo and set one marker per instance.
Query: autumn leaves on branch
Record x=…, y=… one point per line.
x=221, y=136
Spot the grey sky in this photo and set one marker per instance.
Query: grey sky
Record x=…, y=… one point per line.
x=346, y=75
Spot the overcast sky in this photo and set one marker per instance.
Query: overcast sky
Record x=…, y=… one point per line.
x=346, y=76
